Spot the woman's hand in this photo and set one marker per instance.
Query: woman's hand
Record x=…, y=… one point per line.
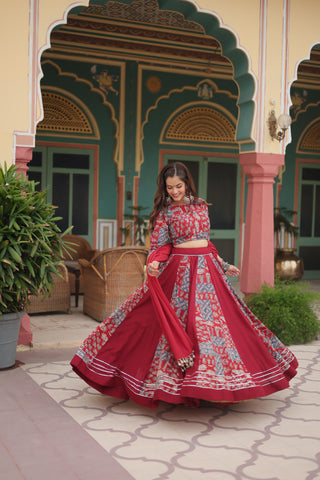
x=233, y=271
x=153, y=268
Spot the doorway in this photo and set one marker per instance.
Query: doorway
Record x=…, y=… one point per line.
x=308, y=241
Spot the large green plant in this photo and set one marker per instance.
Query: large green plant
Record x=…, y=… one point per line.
x=31, y=244
x=289, y=310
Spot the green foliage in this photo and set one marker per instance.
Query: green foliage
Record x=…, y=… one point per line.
x=31, y=244
x=281, y=215
x=289, y=310
x=140, y=225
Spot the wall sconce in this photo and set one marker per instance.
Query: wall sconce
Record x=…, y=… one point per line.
x=284, y=122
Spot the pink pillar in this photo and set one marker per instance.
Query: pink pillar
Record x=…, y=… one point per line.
x=258, y=251
x=24, y=156
x=25, y=334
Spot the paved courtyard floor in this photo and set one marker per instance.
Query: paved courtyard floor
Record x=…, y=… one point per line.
x=53, y=426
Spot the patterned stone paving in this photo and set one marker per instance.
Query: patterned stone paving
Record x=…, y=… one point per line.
x=272, y=438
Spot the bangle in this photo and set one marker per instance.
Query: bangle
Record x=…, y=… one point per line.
x=225, y=266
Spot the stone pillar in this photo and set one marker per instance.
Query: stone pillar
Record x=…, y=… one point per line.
x=258, y=251
x=23, y=157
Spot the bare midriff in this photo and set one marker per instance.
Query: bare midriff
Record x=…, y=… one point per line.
x=193, y=244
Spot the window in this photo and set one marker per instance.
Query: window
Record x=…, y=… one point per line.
x=67, y=174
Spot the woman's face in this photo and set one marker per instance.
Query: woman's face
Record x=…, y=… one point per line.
x=176, y=188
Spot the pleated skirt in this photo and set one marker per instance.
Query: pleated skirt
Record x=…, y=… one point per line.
x=236, y=356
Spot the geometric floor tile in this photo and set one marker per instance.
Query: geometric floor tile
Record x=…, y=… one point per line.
x=272, y=438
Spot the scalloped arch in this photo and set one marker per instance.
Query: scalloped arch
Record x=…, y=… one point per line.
x=66, y=116
x=237, y=57
x=211, y=25
x=201, y=124
x=303, y=131
x=118, y=156
x=310, y=140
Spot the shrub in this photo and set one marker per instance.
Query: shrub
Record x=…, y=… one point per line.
x=31, y=244
x=289, y=310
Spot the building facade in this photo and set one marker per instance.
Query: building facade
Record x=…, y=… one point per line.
x=99, y=95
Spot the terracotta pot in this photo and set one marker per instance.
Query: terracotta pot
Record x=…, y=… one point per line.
x=287, y=266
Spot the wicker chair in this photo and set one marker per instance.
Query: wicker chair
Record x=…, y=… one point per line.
x=58, y=299
x=110, y=278
x=79, y=248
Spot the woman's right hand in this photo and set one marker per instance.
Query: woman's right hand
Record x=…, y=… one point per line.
x=153, y=268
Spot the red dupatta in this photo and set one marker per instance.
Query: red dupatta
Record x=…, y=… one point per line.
x=178, y=339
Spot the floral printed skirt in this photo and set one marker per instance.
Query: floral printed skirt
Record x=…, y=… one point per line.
x=236, y=356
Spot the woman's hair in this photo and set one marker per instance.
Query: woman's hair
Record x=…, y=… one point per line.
x=161, y=197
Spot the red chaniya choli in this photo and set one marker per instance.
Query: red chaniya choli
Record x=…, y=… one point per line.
x=185, y=335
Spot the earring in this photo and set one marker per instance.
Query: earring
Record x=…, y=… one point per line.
x=188, y=198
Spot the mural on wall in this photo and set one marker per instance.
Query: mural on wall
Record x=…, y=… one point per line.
x=153, y=84
x=205, y=91
x=105, y=80
x=298, y=99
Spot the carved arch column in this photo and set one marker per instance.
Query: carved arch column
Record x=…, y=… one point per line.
x=23, y=157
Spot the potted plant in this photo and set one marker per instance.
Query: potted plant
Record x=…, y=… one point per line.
x=140, y=225
x=31, y=247
x=282, y=225
x=288, y=266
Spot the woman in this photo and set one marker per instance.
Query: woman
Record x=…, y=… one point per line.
x=185, y=335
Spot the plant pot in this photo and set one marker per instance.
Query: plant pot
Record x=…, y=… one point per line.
x=9, y=333
x=287, y=265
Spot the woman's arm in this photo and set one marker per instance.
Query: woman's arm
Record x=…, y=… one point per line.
x=160, y=234
x=230, y=270
x=160, y=245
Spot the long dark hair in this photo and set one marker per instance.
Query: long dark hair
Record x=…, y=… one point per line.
x=161, y=197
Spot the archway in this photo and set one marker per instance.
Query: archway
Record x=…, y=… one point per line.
x=299, y=185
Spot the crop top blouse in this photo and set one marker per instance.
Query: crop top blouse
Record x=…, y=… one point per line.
x=181, y=223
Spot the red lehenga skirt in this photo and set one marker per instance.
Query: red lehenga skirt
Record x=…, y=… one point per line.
x=236, y=356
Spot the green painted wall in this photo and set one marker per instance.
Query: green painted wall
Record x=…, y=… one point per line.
x=71, y=80
x=176, y=90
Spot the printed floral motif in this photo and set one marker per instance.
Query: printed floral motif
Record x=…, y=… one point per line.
x=236, y=356
x=220, y=366
x=181, y=223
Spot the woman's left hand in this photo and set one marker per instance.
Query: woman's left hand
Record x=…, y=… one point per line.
x=233, y=271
